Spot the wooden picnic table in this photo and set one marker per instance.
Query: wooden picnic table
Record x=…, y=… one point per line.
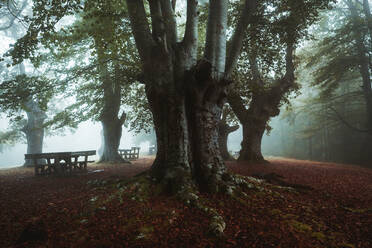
x=60, y=162
x=130, y=154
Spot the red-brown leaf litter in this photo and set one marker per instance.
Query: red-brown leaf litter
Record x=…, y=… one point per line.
x=300, y=204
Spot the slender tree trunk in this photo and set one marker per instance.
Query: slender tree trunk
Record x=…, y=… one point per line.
x=34, y=129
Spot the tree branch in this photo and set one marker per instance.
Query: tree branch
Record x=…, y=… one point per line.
x=169, y=23
x=254, y=67
x=236, y=42
x=289, y=66
x=346, y=123
x=215, y=46
x=190, y=40
x=156, y=20
x=140, y=28
x=237, y=105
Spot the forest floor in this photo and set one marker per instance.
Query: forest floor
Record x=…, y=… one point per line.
x=306, y=204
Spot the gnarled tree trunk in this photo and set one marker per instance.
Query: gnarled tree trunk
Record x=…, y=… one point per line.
x=263, y=106
x=185, y=97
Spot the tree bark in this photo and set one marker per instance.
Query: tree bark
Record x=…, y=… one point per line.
x=111, y=123
x=251, y=144
x=187, y=134
x=263, y=106
x=185, y=96
x=205, y=99
x=223, y=132
x=112, y=130
x=34, y=129
x=109, y=72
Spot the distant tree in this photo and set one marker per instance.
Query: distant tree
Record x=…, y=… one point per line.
x=105, y=79
x=268, y=52
x=31, y=95
x=338, y=62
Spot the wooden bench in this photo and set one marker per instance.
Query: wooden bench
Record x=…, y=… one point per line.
x=152, y=150
x=130, y=154
x=60, y=162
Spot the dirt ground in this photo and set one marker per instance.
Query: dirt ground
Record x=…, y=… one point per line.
x=299, y=204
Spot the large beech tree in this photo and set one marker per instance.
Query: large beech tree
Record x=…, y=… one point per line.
x=186, y=95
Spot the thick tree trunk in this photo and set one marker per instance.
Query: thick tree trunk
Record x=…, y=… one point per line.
x=110, y=120
x=185, y=101
x=264, y=105
x=34, y=129
x=223, y=132
x=172, y=165
x=112, y=129
x=186, y=126
x=251, y=144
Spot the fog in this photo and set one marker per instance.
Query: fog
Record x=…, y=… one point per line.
x=86, y=137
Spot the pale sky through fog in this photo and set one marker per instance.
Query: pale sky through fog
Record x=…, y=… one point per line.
x=86, y=137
